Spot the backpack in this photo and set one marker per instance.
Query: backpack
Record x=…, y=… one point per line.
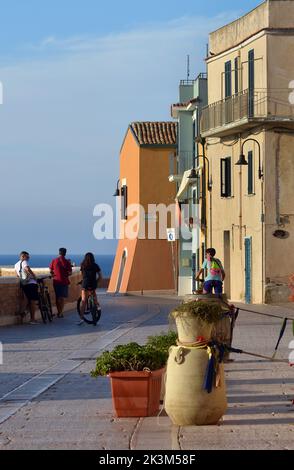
x=215, y=269
x=24, y=277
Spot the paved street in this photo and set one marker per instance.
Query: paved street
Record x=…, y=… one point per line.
x=49, y=401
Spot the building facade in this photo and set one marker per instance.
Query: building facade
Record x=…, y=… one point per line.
x=189, y=173
x=248, y=127
x=144, y=259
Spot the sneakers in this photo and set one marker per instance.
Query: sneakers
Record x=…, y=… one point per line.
x=80, y=322
x=33, y=323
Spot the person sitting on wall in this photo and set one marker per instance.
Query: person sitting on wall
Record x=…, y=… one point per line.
x=215, y=273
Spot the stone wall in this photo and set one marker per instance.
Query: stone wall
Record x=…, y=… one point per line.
x=12, y=302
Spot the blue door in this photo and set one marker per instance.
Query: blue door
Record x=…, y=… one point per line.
x=248, y=269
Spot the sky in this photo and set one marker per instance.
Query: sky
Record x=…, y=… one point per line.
x=75, y=74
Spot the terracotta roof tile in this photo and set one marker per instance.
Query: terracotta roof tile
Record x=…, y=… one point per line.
x=155, y=133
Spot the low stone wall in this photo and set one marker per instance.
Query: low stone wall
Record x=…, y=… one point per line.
x=12, y=301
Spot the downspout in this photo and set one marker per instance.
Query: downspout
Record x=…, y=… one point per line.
x=240, y=201
x=204, y=191
x=262, y=240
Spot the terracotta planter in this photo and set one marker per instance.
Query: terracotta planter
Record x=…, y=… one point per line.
x=136, y=394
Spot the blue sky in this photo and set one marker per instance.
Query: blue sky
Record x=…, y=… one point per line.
x=75, y=74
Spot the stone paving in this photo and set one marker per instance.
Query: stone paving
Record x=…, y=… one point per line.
x=49, y=401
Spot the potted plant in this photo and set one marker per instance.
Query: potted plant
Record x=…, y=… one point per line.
x=164, y=342
x=136, y=373
x=196, y=319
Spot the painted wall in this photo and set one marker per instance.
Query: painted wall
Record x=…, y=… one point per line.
x=279, y=198
x=149, y=261
x=239, y=214
x=216, y=69
x=238, y=31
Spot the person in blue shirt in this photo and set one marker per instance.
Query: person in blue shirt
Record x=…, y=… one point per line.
x=215, y=273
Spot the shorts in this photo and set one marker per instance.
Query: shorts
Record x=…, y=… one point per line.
x=61, y=291
x=89, y=287
x=209, y=285
x=31, y=291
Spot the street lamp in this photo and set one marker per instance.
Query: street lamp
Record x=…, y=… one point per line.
x=194, y=175
x=117, y=191
x=242, y=160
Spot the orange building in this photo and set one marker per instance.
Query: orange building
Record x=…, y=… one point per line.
x=141, y=263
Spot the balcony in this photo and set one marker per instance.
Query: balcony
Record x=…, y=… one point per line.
x=246, y=109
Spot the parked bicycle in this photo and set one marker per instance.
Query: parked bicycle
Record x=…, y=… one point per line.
x=45, y=305
x=91, y=309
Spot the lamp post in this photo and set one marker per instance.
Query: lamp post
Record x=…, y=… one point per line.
x=117, y=191
x=242, y=160
x=193, y=174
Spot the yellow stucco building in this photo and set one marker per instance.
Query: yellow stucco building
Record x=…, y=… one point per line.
x=250, y=112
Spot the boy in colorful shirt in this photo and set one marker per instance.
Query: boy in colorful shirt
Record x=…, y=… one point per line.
x=215, y=273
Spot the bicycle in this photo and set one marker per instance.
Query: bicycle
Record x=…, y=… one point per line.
x=45, y=305
x=91, y=308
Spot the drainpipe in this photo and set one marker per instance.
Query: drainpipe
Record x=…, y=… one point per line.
x=240, y=201
x=262, y=239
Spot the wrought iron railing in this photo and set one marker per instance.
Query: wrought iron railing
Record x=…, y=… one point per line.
x=268, y=104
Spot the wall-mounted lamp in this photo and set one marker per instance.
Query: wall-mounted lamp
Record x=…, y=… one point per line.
x=242, y=160
x=117, y=191
x=194, y=175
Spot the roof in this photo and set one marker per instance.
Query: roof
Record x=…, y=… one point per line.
x=155, y=133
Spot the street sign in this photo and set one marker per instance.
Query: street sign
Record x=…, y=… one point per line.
x=171, y=234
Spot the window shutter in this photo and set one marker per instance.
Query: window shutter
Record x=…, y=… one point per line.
x=250, y=172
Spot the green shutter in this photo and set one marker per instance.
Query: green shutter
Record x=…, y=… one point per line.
x=250, y=172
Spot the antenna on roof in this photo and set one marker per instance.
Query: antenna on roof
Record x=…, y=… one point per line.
x=188, y=67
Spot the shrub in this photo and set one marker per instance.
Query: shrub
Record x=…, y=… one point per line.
x=164, y=341
x=131, y=357
x=207, y=312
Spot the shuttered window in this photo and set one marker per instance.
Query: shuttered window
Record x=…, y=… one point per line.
x=250, y=173
x=226, y=177
x=236, y=76
x=124, y=202
x=228, y=79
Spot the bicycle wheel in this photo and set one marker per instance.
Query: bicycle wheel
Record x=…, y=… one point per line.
x=43, y=310
x=96, y=313
x=48, y=307
x=87, y=310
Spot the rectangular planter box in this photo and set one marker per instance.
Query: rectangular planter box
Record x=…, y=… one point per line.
x=136, y=394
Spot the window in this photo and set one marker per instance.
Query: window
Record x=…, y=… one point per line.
x=124, y=202
x=236, y=75
x=251, y=82
x=250, y=173
x=228, y=79
x=226, y=177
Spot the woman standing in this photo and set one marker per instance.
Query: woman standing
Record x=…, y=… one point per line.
x=91, y=273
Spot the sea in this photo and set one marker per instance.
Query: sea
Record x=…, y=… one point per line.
x=42, y=261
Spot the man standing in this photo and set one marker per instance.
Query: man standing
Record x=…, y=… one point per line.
x=28, y=283
x=60, y=269
x=215, y=273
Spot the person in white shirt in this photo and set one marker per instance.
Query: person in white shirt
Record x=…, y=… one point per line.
x=28, y=283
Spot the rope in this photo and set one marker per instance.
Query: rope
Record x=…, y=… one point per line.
x=215, y=353
x=264, y=314
x=241, y=351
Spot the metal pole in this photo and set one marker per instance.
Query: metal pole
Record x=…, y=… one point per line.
x=174, y=266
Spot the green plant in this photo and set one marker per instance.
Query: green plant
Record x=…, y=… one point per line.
x=207, y=312
x=131, y=357
x=164, y=341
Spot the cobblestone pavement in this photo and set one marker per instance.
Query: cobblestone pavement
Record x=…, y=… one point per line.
x=49, y=401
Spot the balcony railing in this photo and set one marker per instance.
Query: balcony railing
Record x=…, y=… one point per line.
x=258, y=104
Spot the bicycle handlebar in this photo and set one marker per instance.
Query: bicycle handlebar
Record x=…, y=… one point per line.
x=42, y=279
